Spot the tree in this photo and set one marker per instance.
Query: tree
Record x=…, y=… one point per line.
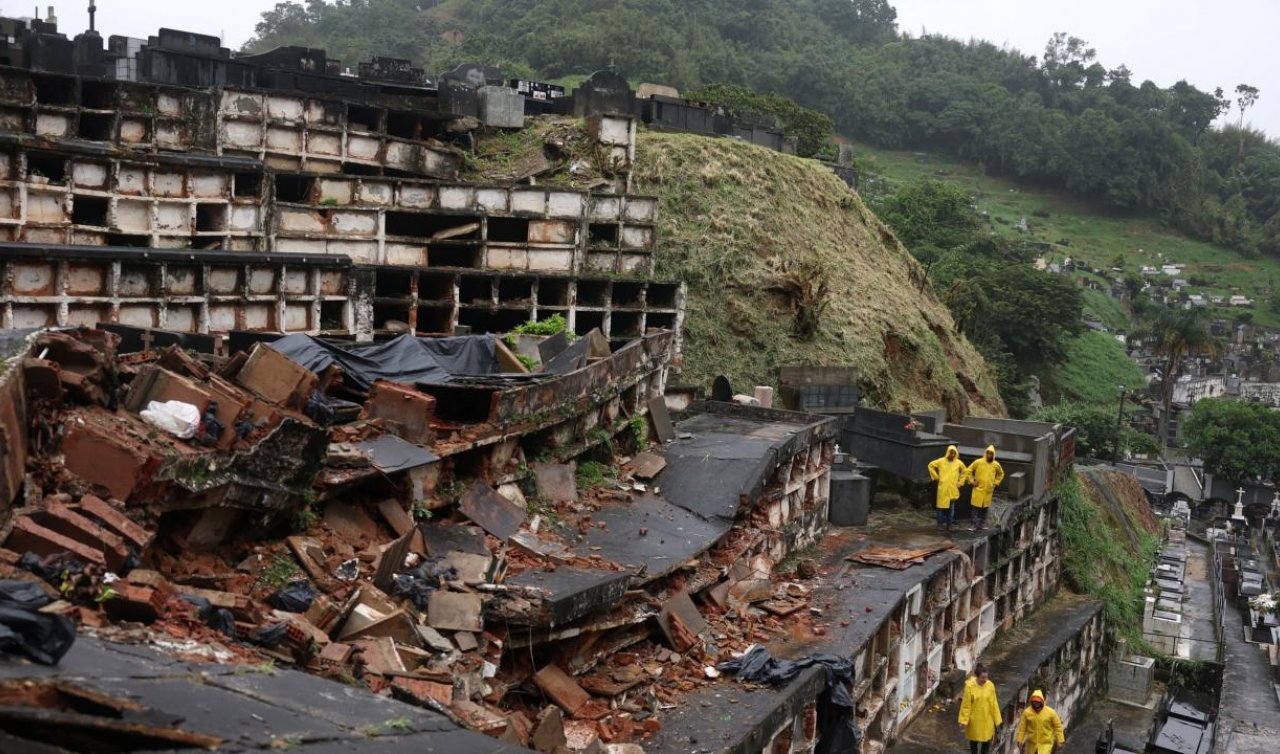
x=931, y=217
x=1174, y=335
x=1246, y=97
x=1237, y=440
x=1095, y=426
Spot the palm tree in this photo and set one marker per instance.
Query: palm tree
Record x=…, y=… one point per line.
x=1175, y=334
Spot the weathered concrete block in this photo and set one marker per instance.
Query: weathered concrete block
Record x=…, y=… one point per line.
x=410, y=410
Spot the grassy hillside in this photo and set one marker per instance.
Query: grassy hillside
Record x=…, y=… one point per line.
x=1086, y=232
x=1096, y=363
x=756, y=235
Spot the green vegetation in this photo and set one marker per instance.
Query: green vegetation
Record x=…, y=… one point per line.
x=550, y=326
x=1019, y=317
x=591, y=474
x=639, y=426
x=1095, y=364
x=813, y=130
x=1096, y=429
x=1237, y=440
x=280, y=571
x=1110, y=564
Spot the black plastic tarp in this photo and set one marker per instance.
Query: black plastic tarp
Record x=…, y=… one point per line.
x=24, y=630
x=406, y=359
x=839, y=729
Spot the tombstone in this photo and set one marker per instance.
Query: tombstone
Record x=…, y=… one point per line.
x=721, y=390
x=605, y=93
x=844, y=158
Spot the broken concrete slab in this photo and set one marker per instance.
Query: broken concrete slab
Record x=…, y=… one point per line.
x=660, y=420
x=213, y=527
x=556, y=482
x=570, y=593
x=469, y=566
x=390, y=454
x=62, y=519
x=561, y=689
x=493, y=512
x=380, y=655
x=674, y=535
x=396, y=516
x=441, y=538
x=647, y=465
x=681, y=622
x=466, y=641
x=29, y=536
x=351, y=523
x=396, y=625
x=455, y=611
x=104, y=460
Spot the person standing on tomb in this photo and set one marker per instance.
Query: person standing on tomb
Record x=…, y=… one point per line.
x=1040, y=729
x=985, y=474
x=949, y=472
x=980, y=711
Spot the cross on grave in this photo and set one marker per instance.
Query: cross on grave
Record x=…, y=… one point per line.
x=147, y=340
x=1275, y=505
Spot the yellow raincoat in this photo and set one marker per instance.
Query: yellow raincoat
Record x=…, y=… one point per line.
x=980, y=710
x=949, y=473
x=986, y=474
x=1040, y=729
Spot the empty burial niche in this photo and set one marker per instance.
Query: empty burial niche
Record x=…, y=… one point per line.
x=333, y=315
x=515, y=290
x=627, y=294
x=211, y=218
x=553, y=292
x=403, y=125
x=661, y=321
x=424, y=226
x=89, y=210
x=464, y=404
x=363, y=118
x=506, y=320
x=97, y=95
x=435, y=320
x=392, y=317
x=435, y=287
x=480, y=320
x=127, y=239
x=247, y=185
x=508, y=230
x=588, y=321
x=55, y=90
x=624, y=325
x=393, y=284
x=661, y=296
x=476, y=290
x=52, y=168
x=592, y=292
x=296, y=189
x=464, y=256
x=96, y=126
x=602, y=235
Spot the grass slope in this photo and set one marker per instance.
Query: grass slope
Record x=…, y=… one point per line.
x=741, y=225
x=1094, y=235
x=1096, y=363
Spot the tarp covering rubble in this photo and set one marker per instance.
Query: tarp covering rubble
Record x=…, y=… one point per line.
x=405, y=359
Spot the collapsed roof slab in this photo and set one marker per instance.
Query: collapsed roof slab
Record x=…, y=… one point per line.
x=222, y=703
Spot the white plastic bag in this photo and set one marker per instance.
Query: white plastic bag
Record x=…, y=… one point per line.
x=175, y=417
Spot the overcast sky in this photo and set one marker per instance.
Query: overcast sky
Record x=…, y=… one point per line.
x=1210, y=43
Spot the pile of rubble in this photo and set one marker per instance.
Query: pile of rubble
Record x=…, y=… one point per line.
x=246, y=509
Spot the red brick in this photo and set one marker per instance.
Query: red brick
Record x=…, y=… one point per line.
x=276, y=378
x=561, y=689
x=337, y=653
x=116, y=521
x=42, y=379
x=422, y=690
x=28, y=536
x=104, y=461
x=410, y=410
x=67, y=522
x=134, y=603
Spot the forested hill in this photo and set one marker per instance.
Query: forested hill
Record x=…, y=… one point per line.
x=1060, y=119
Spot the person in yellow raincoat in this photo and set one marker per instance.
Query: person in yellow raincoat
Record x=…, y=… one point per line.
x=1040, y=729
x=985, y=474
x=949, y=472
x=980, y=711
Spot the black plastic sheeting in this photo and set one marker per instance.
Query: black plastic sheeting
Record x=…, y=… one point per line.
x=218, y=618
x=405, y=359
x=839, y=731
x=24, y=630
x=294, y=597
